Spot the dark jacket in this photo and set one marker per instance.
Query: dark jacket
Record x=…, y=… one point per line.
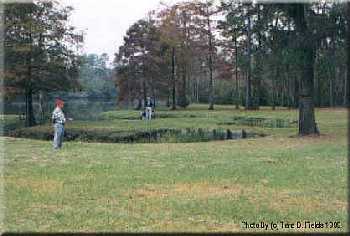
x=148, y=103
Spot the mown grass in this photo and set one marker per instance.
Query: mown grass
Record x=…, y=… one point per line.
x=206, y=187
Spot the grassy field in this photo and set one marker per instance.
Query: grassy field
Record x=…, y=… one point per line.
x=196, y=187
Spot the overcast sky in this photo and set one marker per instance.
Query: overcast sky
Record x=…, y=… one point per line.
x=106, y=21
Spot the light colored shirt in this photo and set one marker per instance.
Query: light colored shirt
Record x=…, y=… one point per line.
x=58, y=116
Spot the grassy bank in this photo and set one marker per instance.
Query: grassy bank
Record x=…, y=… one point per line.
x=193, y=187
x=116, y=125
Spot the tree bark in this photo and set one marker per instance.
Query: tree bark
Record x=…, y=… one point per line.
x=317, y=86
x=182, y=98
x=173, y=79
x=331, y=88
x=346, y=91
x=211, y=82
x=30, y=119
x=307, y=124
x=332, y=74
x=283, y=93
x=248, y=101
x=276, y=64
x=258, y=67
x=144, y=85
x=197, y=89
x=139, y=104
x=296, y=91
x=274, y=86
x=289, y=87
x=236, y=72
x=144, y=89
x=182, y=95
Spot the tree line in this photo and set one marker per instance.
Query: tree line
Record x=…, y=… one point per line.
x=95, y=76
x=40, y=51
x=243, y=53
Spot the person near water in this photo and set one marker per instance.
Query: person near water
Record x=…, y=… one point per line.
x=58, y=120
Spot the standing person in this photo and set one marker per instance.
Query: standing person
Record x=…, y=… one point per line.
x=58, y=121
x=148, y=106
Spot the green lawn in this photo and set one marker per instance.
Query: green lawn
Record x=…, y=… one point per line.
x=208, y=186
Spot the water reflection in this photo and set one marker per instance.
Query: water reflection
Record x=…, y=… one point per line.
x=76, y=108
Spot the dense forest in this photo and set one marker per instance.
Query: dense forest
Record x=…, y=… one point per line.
x=243, y=53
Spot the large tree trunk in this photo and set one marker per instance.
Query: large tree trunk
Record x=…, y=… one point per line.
x=289, y=91
x=274, y=86
x=139, y=104
x=257, y=84
x=211, y=82
x=332, y=75
x=307, y=124
x=197, y=89
x=154, y=96
x=236, y=73
x=144, y=88
x=248, y=98
x=168, y=99
x=182, y=95
x=331, y=90
x=346, y=90
x=317, y=86
x=283, y=93
x=296, y=91
x=30, y=119
x=258, y=67
x=182, y=98
x=173, y=79
x=276, y=67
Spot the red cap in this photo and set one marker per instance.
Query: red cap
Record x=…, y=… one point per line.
x=59, y=102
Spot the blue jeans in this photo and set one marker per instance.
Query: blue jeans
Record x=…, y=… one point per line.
x=148, y=113
x=58, y=135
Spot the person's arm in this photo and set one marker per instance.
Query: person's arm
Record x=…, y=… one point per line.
x=67, y=119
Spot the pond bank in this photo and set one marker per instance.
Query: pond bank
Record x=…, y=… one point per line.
x=141, y=136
